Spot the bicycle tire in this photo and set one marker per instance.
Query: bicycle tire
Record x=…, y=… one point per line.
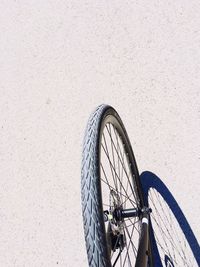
x=98, y=236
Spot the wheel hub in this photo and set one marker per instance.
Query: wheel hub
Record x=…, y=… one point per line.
x=115, y=217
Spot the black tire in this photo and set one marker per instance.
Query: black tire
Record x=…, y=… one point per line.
x=97, y=234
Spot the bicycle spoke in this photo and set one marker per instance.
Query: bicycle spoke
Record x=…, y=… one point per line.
x=128, y=180
x=117, y=175
x=107, y=154
x=130, y=241
x=112, y=188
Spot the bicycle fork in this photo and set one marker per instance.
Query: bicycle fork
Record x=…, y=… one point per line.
x=142, y=255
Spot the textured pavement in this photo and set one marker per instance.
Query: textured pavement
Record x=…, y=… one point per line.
x=59, y=60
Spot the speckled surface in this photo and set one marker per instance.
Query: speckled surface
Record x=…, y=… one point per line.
x=60, y=59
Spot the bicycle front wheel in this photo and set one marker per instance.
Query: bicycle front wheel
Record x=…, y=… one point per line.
x=110, y=185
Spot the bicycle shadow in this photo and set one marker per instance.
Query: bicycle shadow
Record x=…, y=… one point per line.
x=150, y=180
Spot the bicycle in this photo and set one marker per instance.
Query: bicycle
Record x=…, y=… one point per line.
x=116, y=217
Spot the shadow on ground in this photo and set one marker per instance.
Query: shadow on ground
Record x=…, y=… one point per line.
x=150, y=180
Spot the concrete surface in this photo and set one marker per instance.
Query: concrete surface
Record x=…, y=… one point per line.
x=59, y=60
